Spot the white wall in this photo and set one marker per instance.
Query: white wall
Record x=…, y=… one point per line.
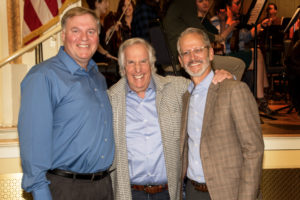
x=11, y=75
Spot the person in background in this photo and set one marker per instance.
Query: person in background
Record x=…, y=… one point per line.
x=221, y=140
x=178, y=19
x=239, y=49
x=272, y=15
x=203, y=7
x=65, y=120
x=146, y=114
x=100, y=7
x=129, y=5
x=118, y=26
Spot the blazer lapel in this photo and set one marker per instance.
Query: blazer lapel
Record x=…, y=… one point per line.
x=184, y=117
x=118, y=99
x=209, y=106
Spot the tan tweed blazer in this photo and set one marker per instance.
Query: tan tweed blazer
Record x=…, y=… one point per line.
x=231, y=146
x=169, y=92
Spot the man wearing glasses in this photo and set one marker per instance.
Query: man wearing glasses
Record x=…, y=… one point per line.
x=221, y=140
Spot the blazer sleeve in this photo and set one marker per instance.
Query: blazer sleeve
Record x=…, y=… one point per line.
x=248, y=130
x=231, y=64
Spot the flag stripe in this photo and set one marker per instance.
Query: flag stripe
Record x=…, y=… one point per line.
x=43, y=11
x=53, y=7
x=40, y=15
x=30, y=16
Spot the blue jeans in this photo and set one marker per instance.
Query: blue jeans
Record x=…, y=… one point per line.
x=141, y=195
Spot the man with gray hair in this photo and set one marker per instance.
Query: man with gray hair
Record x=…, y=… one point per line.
x=146, y=116
x=221, y=140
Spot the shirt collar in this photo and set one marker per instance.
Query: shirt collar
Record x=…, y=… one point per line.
x=203, y=84
x=71, y=64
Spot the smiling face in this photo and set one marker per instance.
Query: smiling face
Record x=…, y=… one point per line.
x=80, y=38
x=137, y=68
x=195, y=56
x=129, y=10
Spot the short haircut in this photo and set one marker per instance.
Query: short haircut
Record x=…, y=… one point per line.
x=78, y=11
x=134, y=41
x=271, y=4
x=193, y=31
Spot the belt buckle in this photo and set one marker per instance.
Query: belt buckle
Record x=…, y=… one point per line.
x=148, y=189
x=201, y=187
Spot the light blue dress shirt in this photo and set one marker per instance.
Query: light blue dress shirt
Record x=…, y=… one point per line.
x=65, y=122
x=144, y=144
x=194, y=127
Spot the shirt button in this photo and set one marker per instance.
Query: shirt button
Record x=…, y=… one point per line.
x=149, y=174
x=145, y=120
x=95, y=89
x=102, y=156
x=197, y=129
x=105, y=139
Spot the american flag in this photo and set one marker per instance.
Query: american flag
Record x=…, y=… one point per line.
x=40, y=15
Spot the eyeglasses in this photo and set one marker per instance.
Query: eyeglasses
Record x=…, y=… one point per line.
x=198, y=51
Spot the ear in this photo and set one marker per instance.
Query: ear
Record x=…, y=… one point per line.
x=63, y=35
x=180, y=61
x=211, y=53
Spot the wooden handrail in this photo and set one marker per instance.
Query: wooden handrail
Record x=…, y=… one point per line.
x=30, y=45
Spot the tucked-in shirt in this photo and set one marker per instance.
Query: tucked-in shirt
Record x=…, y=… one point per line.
x=194, y=128
x=65, y=122
x=144, y=144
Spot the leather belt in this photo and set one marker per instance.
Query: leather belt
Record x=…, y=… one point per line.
x=199, y=186
x=150, y=189
x=86, y=176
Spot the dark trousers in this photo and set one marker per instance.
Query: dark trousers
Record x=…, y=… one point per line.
x=69, y=189
x=192, y=194
x=141, y=195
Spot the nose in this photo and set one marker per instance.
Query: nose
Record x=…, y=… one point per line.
x=137, y=67
x=193, y=56
x=84, y=36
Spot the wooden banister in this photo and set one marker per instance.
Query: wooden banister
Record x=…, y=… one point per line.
x=31, y=45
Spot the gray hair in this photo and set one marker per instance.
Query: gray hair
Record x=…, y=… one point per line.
x=196, y=31
x=130, y=42
x=79, y=11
